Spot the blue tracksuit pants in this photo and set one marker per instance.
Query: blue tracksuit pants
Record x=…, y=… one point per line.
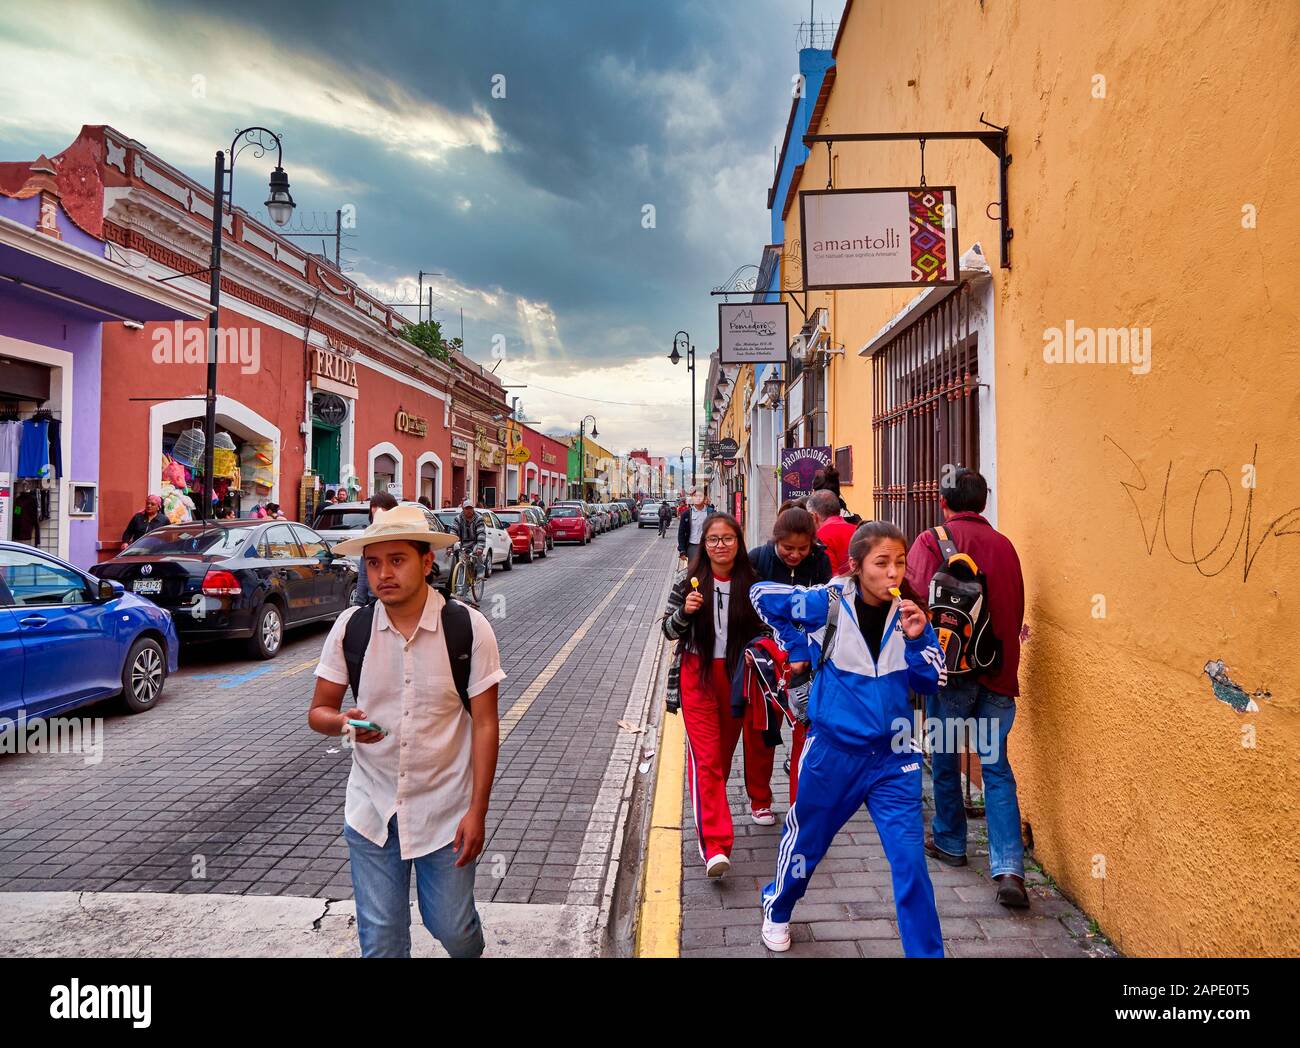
x=833, y=785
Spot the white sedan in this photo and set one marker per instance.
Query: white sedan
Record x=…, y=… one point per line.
x=500, y=549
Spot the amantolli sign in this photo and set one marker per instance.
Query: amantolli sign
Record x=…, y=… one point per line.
x=753, y=333
x=858, y=238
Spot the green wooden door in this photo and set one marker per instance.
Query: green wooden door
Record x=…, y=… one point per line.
x=325, y=452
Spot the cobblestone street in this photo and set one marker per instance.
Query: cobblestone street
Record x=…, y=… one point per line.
x=224, y=789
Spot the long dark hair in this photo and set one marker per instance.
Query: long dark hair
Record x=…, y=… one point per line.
x=743, y=623
x=869, y=534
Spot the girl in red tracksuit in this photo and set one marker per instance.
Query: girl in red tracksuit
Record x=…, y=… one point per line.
x=712, y=622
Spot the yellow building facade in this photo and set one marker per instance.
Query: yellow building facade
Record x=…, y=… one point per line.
x=1152, y=501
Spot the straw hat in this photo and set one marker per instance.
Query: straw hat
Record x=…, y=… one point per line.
x=401, y=523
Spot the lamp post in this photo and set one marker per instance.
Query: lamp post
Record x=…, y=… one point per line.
x=279, y=205
x=675, y=356
x=582, y=454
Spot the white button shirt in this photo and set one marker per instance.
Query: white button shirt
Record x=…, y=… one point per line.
x=420, y=771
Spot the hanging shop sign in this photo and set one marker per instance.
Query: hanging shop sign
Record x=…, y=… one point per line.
x=898, y=237
x=753, y=332
x=726, y=448
x=411, y=425
x=330, y=408
x=798, y=467
x=333, y=372
x=516, y=453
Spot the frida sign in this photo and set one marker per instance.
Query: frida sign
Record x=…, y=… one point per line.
x=753, y=333
x=856, y=238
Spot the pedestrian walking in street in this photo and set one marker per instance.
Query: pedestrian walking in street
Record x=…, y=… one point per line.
x=833, y=530
x=363, y=594
x=691, y=526
x=665, y=515
x=471, y=533
x=794, y=557
x=425, y=673
x=988, y=696
x=711, y=619
x=869, y=639
x=148, y=519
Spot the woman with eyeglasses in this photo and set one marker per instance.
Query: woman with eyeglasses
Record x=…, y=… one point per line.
x=712, y=620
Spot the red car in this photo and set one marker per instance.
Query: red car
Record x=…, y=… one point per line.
x=527, y=536
x=571, y=524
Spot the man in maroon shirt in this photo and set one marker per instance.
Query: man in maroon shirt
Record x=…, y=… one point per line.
x=833, y=531
x=988, y=699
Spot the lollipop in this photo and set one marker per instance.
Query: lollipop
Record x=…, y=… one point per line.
x=695, y=583
x=895, y=592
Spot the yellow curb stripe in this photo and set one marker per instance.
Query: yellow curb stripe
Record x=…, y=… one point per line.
x=659, y=927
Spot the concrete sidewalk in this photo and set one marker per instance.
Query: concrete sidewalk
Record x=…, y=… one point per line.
x=848, y=910
x=154, y=924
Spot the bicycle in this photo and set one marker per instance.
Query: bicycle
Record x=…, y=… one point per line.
x=466, y=560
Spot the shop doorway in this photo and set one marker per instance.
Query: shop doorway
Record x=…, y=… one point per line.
x=325, y=445
x=457, y=484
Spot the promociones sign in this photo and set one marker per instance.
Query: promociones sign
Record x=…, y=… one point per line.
x=896, y=237
x=798, y=467
x=753, y=332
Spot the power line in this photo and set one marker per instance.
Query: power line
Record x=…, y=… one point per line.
x=593, y=400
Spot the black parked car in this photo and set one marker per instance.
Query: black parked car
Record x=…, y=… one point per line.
x=245, y=579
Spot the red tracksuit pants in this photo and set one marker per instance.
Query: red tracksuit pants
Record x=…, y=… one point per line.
x=796, y=754
x=711, y=737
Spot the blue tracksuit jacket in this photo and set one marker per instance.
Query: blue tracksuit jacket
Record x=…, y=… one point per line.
x=855, y=702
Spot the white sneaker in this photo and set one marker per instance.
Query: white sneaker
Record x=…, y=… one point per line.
x=717, y=866
x=776, y=936
x=763, y=816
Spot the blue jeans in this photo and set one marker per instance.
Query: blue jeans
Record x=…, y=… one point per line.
x=993, y=715
x=381, y=882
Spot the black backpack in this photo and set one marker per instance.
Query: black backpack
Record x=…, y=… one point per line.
x=457, y=628
x=959, y=610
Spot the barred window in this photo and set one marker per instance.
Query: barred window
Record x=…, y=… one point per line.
x=925, y=412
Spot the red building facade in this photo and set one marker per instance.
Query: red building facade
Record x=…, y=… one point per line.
x=315, y=387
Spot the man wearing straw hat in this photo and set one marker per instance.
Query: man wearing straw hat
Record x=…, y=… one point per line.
x=425, y=674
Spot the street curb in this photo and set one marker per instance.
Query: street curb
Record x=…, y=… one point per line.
x=620, y=905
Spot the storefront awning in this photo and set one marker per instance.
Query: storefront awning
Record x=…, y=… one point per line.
x=38, y=267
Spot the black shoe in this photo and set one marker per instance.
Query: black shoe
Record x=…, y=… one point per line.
x=1011, y=891
x=947, y=858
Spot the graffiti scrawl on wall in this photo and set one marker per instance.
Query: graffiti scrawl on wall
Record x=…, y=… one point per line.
x=1205, y=545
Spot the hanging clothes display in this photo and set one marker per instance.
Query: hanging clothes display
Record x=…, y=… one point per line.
x=11, y=435
x=56, y=447
x=34, y=450
x=27, y=523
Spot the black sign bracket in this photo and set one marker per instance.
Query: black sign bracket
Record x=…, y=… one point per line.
x=995, y=140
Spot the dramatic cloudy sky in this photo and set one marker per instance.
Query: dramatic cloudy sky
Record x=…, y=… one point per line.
x=531, y=207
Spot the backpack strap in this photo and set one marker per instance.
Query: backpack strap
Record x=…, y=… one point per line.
x=947, y=548
x=832, y=624
x=356, y=639
x=458, y=628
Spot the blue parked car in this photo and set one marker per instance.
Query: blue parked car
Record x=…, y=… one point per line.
x=68, y=639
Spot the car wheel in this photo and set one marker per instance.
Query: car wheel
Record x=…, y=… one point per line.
x=143, y=675
x=268, y=632
x=544, y=549
x=528, y=559
x=509, y=565
x=348, y=594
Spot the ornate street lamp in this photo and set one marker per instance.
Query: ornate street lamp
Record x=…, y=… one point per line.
x=279, y=205
x=684, y=340
x=582, y=455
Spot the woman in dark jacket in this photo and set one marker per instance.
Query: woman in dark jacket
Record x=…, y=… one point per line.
x=794, y=557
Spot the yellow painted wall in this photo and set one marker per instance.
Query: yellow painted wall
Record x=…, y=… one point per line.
x=1128, y=211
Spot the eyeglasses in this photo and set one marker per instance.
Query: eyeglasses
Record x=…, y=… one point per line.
x=714, y=541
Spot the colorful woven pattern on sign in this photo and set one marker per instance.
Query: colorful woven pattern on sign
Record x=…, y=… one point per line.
x=929, y=245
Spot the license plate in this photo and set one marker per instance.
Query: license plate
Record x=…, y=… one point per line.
x=146, y=586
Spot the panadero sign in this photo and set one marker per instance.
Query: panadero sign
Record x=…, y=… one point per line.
x=897, y=237
x=412, y=425
x=753, y=332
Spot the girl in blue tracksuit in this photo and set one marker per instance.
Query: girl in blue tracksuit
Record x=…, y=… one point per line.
x=859, y=746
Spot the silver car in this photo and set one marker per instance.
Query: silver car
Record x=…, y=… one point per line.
x=649, y=517
x=343, y=520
